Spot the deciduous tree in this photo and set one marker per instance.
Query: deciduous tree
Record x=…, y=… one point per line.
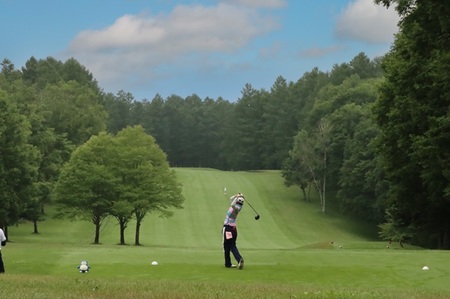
x=147, y=183
x=123, y=176
x=88, y=186
x=414, y=116
x=18, y=160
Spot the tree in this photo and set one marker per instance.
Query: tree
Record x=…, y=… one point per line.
x=75, y=110
x=119, y=110
x=172, y=136
x=305, y=91
x=280, y=124
x=244, y=131
x=153, y=122
x=122, y=210
x=72, y=70
x=88, y=186
x=296, y=173
x=413, y=115
x=18, y=160
x=191, y=137
x=147, y=184
x=42, y=72
x=52, y=148
x=50, y=71
x=312, y=151
x=366, y=68
x=8, y=71
x=121, y=176
x=360, y=185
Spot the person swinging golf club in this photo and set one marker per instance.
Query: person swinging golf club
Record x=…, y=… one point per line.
x=229, y=232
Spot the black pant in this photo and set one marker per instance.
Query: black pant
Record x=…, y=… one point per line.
x=2, y=266
x=229, y=245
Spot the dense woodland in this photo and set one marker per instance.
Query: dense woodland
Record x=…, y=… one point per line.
x=372, y=134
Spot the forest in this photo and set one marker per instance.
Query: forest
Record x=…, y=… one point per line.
x=371, y=134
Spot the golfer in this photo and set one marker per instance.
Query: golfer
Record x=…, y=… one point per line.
x=3, y=243
x=229, y=232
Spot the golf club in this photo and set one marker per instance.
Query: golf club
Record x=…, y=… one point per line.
x=257, y=215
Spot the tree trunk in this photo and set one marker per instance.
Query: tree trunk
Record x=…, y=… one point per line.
x=309, y=192
x=35, y=227
x=319, y=188
x=305, y=197
x=323, y=201
x=138, y=228
x=122, y=232
x=97, y=233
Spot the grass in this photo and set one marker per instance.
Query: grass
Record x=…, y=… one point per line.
x=293, y=251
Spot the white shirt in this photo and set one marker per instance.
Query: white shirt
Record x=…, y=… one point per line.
x=2, y=237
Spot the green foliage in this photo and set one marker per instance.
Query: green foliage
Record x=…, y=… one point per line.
x=413, y=115
x=62, y=105
x=65, y=108
x=120, y=176
x=73, y=109
x=394, y=229
x=360, y=177
x=280, y=124
x=8, y=72
x=245, y=133
x=119, y=109
x=50, y=71
x=296, y=173
x=310, y=150
x=87, y=186
x=331, y=98
x=403, y=7
x=360, y=65
x=18, y=159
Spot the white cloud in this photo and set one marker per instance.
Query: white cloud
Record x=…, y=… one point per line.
x=140, y=44
x=365, y=21
x=258, y=3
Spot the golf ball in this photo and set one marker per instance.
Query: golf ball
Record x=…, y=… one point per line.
x=425, y=268
x=154, y=263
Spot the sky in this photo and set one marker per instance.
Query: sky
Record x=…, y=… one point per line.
x=211, y=48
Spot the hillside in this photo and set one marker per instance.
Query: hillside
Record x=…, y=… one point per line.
x=286, y=221
x=282, y=249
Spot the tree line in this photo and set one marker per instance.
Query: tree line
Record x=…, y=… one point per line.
x=370, y=133
x=55, y=148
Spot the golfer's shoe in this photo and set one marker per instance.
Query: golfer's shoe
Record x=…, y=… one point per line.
x=231, y=266
x=241, y=264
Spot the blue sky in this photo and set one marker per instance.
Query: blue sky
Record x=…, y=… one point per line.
x=208, y=47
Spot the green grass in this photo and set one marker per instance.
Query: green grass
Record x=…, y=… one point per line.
x=293, y=251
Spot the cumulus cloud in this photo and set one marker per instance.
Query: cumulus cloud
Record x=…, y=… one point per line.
x=143, y=43
x=362, y=20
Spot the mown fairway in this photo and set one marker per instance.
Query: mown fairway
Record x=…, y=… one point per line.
x=293, y=251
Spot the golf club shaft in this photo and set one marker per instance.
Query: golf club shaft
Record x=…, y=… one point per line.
x=252, y=207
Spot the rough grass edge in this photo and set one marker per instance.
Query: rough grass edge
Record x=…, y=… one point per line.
x=84, y=286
